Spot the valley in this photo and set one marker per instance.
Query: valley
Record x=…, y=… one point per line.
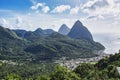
x=45, y=54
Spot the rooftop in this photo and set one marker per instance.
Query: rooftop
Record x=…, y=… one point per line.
x=118, y=69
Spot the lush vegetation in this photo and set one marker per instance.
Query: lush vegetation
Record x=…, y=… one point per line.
x=105, y=69
x=23, y=71
x=50, y=71
x=31, y=57
x=43, y=45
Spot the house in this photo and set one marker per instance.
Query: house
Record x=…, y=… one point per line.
x=118, y=69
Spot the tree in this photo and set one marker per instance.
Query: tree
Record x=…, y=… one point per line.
x=13, y=77
x=43, y=77
x=84, y=69
x=103, y=63
x=113, y=73
x=61, y=73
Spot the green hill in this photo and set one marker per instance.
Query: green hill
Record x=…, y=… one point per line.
x=7, y=33
x=37, y=47
x=57, y=46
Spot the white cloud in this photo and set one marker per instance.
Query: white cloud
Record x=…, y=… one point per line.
x=36, y=6
x=96, y=17
x=93, y=4
x=5, y=23
x=117, y=1
x=19, y=22
x=107, y=8
x=61, y=8
x=75, y=10
x=44, y=9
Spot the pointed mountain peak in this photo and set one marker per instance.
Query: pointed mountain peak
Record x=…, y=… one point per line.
x=64, y=25
x=79, y=31
x=78, y=23
x=38, y=29
x=64, y=29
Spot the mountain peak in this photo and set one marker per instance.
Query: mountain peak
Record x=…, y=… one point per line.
x=78, y=23
x=80, y=31
x=49, y=31
x=38, y=29
x=64, y=29
x=64, y=25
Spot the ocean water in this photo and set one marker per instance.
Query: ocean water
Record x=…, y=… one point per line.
x=111, y=41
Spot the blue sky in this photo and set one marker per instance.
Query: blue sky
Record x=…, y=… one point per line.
x=101, y=17
x=17, y=5
x=24, y=5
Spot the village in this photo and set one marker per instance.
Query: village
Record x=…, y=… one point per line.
x=73, y=63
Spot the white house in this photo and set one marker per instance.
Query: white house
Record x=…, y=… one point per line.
x=118, y=69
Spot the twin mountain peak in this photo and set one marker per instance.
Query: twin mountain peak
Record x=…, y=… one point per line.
x=48, y=44
x=78, y=31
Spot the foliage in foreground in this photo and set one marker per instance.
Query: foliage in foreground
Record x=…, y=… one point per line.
x=105, y=69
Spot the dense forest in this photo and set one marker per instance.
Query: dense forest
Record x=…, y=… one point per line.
x=43, y=45
x=32, y=56
x=105, y=69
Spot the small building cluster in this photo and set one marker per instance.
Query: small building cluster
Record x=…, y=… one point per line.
x=73, y=63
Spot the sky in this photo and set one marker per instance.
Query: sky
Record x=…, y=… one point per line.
x=101, y=17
